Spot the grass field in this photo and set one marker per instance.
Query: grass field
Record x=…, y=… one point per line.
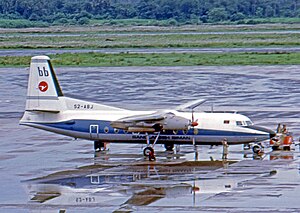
x=188, y=36
x=161, y=59
x=95, y=41
x=206, y=36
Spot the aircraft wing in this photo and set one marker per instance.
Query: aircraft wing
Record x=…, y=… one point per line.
x=152, y=122
x=190, y=105
x=144, y=118
x=42, y=197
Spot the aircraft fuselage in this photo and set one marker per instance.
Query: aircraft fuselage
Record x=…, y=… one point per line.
x=212, y=128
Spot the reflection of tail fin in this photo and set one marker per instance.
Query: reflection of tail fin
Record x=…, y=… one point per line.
x=43, y=87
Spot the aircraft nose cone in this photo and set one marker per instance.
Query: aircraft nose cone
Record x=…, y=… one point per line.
x=265, y=130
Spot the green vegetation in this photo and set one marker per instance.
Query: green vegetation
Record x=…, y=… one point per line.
x=165, y=59
x=21, y=23
x=167, y=12
x=95, y=40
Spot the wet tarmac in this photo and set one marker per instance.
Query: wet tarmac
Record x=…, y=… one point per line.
x=44, y=172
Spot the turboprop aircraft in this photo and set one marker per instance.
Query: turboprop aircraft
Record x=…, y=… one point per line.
x=48, y=109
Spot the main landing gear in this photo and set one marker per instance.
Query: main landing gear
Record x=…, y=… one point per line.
x=149, y=150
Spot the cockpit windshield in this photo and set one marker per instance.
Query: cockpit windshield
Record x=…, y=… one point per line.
x=239, y=123
x=244, y=123
x=249, y=123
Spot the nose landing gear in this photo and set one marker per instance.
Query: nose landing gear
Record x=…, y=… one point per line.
x=257, y=148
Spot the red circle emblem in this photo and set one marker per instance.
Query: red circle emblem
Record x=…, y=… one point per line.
x=43, y=86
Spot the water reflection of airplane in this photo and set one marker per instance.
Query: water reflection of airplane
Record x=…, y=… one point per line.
x=48, y=109
x=139, y=184
x=283, y=155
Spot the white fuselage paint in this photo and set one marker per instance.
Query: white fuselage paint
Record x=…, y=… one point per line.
x=220, y=125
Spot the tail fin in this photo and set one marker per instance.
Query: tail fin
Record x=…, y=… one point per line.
x=45, y=95
x=43, y=87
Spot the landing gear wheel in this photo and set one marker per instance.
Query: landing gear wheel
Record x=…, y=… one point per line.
x=169, y=146
x=98, y=145
x=287, y=148
x=149, y=152
x=256, y=149
x=274, y=148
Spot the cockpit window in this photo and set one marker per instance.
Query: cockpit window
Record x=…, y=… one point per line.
x=244, y=123
x=239, y=123
x=249, y=123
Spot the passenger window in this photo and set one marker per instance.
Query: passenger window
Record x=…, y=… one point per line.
x=226, y=121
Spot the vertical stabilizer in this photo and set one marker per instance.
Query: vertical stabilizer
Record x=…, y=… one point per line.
x=43, y=88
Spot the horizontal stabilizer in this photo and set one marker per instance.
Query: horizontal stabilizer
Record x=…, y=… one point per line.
x=38, y=110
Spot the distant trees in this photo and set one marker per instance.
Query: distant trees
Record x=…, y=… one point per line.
x=81, y=11
x=218, y=14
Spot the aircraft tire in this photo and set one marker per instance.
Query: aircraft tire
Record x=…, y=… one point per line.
x=147, y=151
x=256, y=149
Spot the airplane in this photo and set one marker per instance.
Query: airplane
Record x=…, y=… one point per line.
x=48, y=109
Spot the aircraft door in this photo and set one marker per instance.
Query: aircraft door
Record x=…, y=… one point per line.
x=94, y=131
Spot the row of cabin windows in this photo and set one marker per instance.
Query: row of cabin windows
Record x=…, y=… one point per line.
x=175, y=132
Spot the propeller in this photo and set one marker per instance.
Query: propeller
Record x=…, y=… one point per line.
x=194, y=122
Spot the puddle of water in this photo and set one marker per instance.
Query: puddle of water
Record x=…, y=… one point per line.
x=267, y=94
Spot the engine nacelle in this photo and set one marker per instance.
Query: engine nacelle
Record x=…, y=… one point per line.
x=169, y=121
x=176, y=123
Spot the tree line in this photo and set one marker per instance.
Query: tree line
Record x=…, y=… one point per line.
x=199, y=11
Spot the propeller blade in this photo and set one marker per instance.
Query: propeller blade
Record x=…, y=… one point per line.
x=193, y=122
x=192, y=116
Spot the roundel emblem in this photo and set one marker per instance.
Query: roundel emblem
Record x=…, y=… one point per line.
x=43, y=86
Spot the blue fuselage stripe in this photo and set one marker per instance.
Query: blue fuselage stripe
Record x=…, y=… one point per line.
x=105, y=128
